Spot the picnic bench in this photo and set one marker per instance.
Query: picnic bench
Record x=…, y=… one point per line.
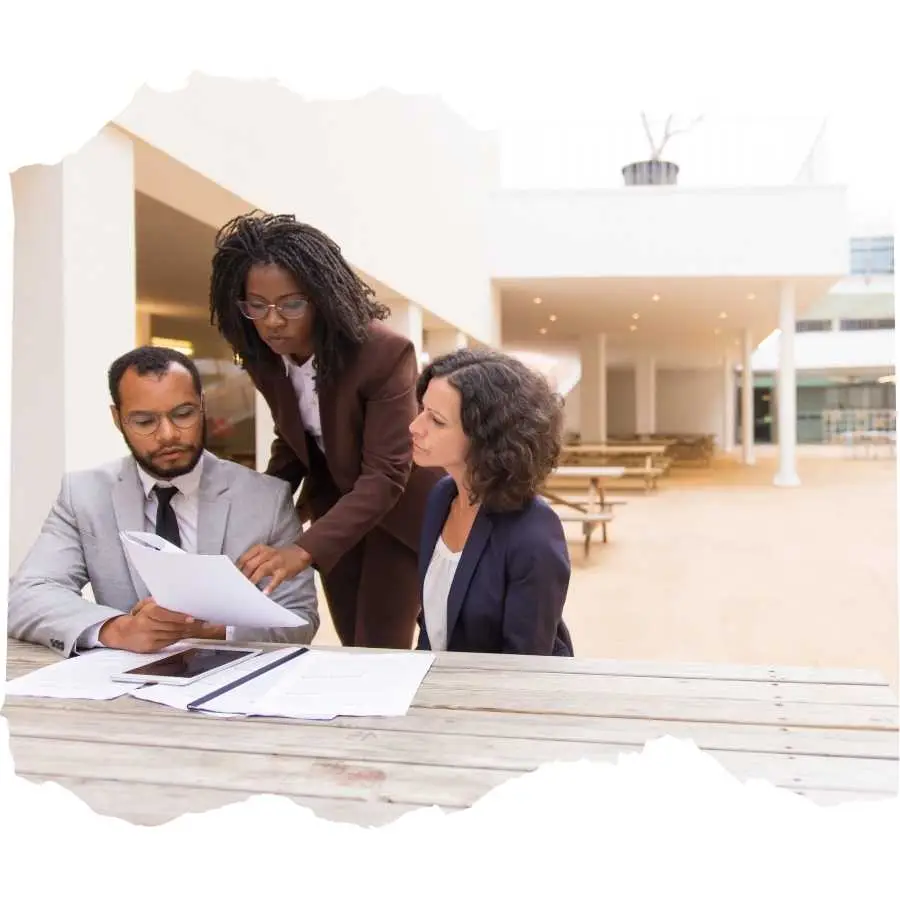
x=655, y=461
x=596, y=511
x=477, y=721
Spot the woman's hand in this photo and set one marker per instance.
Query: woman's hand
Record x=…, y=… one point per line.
x=279, y=563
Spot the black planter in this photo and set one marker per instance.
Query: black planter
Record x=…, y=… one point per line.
x=651, y=171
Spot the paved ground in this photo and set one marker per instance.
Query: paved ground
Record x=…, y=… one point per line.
x=720, y=566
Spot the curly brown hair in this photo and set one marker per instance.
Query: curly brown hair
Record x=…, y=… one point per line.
x=512, y=418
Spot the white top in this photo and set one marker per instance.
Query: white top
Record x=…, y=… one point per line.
x=303, y=380
x=436, y=590
x=185, y=505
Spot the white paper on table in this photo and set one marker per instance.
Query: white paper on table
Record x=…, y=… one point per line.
x=179, y=696
x=324, y=684
x=84, y=677
x=209, y=588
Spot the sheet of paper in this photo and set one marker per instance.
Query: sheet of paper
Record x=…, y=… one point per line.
x=178, y=697
x=211, y=588
x=84, y=677
x=323, y=684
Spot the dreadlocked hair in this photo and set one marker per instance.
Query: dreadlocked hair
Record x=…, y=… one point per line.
x=344, y=305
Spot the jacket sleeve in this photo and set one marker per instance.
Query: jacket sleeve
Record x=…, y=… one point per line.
x=538, y=572
x=385, y=467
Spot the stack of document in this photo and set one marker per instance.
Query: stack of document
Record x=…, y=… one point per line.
x=289, y=682
x=209, y=588
x=85, y=677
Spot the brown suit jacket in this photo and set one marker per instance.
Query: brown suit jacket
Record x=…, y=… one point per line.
x=366, y=478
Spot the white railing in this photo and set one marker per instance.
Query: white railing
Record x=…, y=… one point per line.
x=864, y=428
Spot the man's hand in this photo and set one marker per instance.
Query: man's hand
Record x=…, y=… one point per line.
x=149, y=628
x=281, y=563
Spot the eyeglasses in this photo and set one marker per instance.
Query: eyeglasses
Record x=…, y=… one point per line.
x=145, y=423
x=289, y=309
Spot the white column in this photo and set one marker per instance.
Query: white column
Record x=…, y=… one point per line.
x=593, y=390
x=787, y=391
x=747, y=407
x=728, y=406
x=439, y=341
x=264, y=427
x=74, y=312
x=645, y=395
x=406, y=317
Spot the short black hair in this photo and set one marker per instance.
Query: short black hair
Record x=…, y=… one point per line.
x=512, y=418
x=344, y=305
x=148, y=360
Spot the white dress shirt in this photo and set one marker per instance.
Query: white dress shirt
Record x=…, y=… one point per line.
x=186, y=506
x=436, y=591
x=303, y=380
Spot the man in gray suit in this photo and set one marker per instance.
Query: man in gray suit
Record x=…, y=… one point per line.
x=170, y=485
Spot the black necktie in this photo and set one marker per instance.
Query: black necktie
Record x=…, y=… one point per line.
x=166, y=523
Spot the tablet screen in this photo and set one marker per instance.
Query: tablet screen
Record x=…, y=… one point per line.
x=189, y=663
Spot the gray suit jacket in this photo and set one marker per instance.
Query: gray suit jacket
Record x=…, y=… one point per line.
x=79, y=543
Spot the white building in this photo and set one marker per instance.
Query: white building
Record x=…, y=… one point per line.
x=656, y=295
x=845, y=348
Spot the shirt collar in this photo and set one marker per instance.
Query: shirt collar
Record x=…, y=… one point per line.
x=289, y=364
x=188, y=484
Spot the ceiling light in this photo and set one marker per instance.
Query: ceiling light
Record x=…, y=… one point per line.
x=543, y=331
x=751, y=296
x=723, y=315
x=537, y=300
x=552, y=318
x=635, y=316
x=655, y=298
x=633, y=327
x=718, y=331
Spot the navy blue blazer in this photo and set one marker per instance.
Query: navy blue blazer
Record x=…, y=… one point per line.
x=510, y=585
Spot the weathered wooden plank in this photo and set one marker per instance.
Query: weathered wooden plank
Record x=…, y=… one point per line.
x=369, y=746
x=819, y=715
x=676, y=688
x=156, y=804
x=875, y=744
x=349, y=777
x=32, y=656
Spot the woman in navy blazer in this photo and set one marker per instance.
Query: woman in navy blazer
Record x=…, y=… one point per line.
x=493, y=560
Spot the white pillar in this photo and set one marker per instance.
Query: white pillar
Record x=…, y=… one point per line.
x=747, y=406
x=593, y=390
x=74, y=312
x=645, y=395
x=787, y=391
x=264, y=427
x=728, y=406
x=406, y=317
x=439, y=341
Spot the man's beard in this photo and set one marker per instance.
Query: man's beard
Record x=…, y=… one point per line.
x=146, y=462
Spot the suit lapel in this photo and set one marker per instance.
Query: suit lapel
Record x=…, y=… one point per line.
x=287, y=417
x=474, y=547
x=128, y=505
x=214, y=507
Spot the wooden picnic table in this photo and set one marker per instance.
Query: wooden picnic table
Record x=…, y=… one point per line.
x=476, y=721
x=597, y=510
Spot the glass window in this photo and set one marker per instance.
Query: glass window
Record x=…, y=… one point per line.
x=872, y=256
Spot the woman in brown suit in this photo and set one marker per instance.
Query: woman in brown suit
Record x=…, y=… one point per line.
x=341, y=388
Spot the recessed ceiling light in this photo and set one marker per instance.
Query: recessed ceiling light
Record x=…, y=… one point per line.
x=718, y=331
x=723, y=315
x=552, y=318
x=633, y=327
x=543, y=331
x=751, y=296
x=635, y=316
x=537, y=300
x=655, y=298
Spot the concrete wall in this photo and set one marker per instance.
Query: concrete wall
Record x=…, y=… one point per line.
x=678, y=232
x=401, y=183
